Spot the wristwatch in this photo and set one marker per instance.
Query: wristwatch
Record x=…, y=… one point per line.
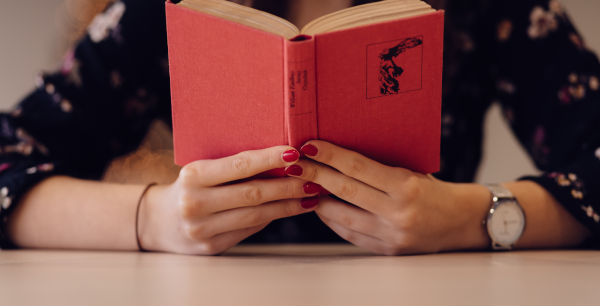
x=505, y=221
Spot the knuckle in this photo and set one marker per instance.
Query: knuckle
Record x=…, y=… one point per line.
x=187, y=209
x=346, y=221
x=402, y=221
x=189, y=231
x=312, y=173
x=357, y=166
x=291, y=188
x=288, y=189
x=241, y=163
x=403, y=237
x=395, y=219
x=411, y=190
x=252, y=194
x=188, y=173
x=348, y=190
x=199, y=232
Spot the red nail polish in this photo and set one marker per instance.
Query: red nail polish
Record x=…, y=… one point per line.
x=290, y=156
x=293, y=170
x=308, y=203
x=311, y=188
x=309, y=150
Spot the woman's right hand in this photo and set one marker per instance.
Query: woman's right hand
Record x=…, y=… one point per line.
x=200, y=213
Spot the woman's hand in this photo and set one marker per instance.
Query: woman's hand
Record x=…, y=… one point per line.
x=203, y=212
x=397, y=211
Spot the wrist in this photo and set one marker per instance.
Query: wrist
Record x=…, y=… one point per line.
x=549, y=224
x=148, y=219
x=473, y=202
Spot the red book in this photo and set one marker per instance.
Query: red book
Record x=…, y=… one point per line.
x=367, y=78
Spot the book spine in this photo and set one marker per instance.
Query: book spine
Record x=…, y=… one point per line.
x=300, y=90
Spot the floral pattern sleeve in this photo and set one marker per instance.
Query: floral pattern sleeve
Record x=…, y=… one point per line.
x=97, y=106
x=548, y=83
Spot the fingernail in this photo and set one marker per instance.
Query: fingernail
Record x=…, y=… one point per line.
x=308, y=203
x=309, y=150
x=293, y=170
x=290, y=156
x=311, y=188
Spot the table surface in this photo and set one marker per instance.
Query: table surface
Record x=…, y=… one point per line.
x=299, y=275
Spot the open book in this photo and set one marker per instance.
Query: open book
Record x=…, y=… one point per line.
x=367, y=78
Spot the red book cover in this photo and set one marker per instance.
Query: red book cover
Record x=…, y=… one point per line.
x=375, y=89
x=379, y=90
x=226, y=86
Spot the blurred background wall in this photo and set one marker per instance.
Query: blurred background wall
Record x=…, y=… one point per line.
x=33, y=35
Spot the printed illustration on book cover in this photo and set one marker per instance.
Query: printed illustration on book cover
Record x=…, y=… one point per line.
x=394, y=67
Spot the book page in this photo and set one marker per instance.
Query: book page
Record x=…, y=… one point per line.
x=366, y=14
x=360, y=15
x=244, y=15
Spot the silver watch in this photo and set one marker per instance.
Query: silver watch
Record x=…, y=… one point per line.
x=505, y=221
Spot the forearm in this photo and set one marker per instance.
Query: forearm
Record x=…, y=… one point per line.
x=549, y=225
x=63, y=212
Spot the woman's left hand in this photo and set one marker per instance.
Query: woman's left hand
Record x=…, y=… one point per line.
x=397, y=211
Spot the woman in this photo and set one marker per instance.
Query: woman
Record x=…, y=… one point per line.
x=526, y=54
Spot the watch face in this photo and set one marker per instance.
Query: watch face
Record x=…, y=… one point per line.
x=507, y=223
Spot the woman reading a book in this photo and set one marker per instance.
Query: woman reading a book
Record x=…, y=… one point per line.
x=57, y=143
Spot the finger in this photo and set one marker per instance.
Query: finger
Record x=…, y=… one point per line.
x=239, y=166
x=246, y=217
x=345, y=187
x=350, y=163
x=223, y=242
x=350, y=217
x=251, y=193
x=361, y=240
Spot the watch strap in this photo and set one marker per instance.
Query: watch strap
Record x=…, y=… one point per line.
x=500, y=192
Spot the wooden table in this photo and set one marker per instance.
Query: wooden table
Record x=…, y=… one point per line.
x=299, y=275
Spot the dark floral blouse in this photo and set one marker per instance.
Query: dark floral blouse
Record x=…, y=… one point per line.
x=524, y=54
